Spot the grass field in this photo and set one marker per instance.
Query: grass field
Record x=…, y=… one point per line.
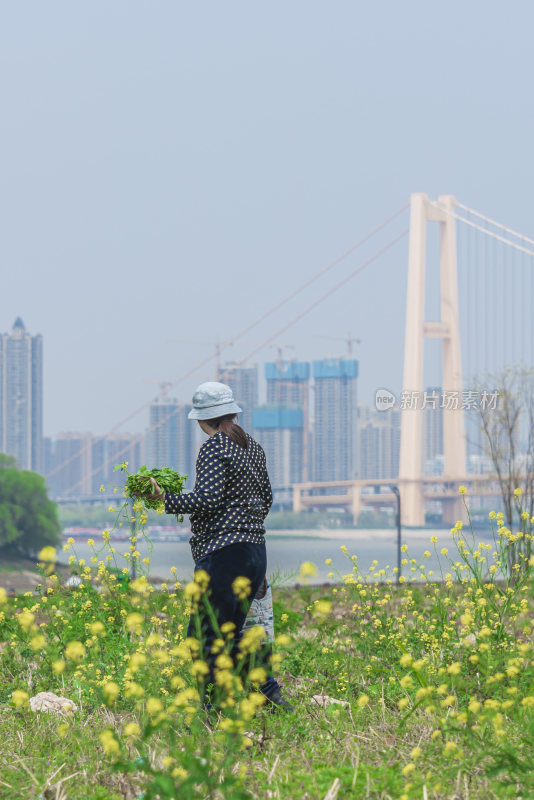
x=435, y=679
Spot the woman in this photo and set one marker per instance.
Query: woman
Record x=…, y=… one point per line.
x=228, y=506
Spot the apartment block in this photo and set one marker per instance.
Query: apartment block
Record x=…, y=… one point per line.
x=171, y=437
x=244, y=383
x=21, y=397
x=279, y=430
x=288, y=387
x=379, y=443
x=432, y=431
x=335, y=441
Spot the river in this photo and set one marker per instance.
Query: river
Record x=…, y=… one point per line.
x=287, y=550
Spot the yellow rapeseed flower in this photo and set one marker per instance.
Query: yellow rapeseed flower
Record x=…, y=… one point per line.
x=48, y=555
x=283, y=639
x=136, y=660
x=131, y=730
x=109, y=744
x=308, y=569
x=257, y=675
x=154, y=705
x=19, y=697
x=241, y=587
x=74, y=651
x=141, y=585
x=179, y=773
x=134, y=622
x=25, y=619
x=193, y=591
x=252, y=639
x=97, y=628
x=111, y=691
x=322, y=607
x=202, y=578
x=199, y=668
x=133, y=689
x=37, y=642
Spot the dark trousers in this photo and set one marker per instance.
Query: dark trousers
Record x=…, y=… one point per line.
x=242, y=559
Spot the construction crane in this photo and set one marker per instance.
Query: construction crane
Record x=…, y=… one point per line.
x=349, y=341
x=164, y=386
x=216, y=345
x=280, y=353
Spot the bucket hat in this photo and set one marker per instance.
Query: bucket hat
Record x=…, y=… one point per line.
x=212, y=400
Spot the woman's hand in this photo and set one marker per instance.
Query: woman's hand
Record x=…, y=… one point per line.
x=157, y=491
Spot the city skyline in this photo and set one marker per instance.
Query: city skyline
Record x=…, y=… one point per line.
x=305, y=416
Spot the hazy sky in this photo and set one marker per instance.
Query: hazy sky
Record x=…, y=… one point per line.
x=170, y=170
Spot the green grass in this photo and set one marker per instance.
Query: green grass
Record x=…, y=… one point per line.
x=436, y=681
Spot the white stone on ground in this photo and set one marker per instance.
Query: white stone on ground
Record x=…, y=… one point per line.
x=324, y=701
x=51, y=703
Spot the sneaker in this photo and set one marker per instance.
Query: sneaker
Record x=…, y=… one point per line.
x=278, y=702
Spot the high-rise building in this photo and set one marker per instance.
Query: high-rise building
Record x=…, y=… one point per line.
x=432, y=431
x=288, y=387
x=244, y=383
x=78, y=464
x=21, y=397
x=379, y=443
x=170, y=439
x=71, y=475
x=335, y=445
x=279, y=430
x=109, y=451
x=288, y=383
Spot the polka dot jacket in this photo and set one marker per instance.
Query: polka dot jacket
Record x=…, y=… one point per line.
x=231, y=498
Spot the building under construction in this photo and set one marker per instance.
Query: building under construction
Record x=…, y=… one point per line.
x=335, y=428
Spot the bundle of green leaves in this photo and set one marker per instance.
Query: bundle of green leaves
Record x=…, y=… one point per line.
x=139, y=484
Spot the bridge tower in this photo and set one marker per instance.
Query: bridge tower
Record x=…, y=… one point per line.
x=447, y=329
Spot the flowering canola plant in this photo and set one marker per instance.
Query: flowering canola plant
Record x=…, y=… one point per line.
x=434, y=678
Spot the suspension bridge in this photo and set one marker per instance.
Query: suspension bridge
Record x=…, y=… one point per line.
x=485, y=323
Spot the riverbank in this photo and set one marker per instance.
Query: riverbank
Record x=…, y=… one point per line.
x=401, y=692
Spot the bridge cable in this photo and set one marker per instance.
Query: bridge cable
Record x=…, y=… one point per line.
x=267, y=341
x=493, y=222
x=235, y=338
x=481, y=229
